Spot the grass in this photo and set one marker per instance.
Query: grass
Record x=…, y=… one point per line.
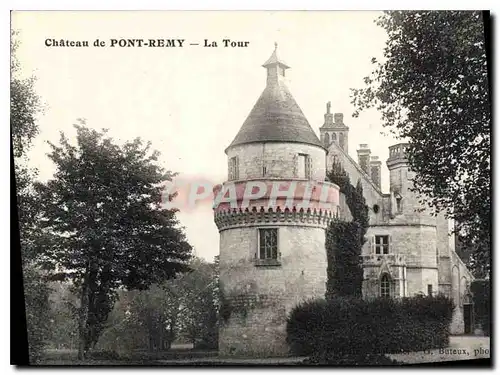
x=65, y=357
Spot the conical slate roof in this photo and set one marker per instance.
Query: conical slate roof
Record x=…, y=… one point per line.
x=276, y=117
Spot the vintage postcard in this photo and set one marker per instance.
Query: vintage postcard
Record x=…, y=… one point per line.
x=214, y=188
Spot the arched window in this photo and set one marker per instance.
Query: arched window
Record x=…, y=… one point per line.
x=327, y=139
x=334, y=137
x=341, y=140
x=385, y=286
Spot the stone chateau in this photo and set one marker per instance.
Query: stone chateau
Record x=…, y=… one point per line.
x=271, y=259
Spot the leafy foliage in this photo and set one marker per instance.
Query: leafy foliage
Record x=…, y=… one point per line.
x=345, y=240
x=36, y=294
x=482, y=303
x=200, y=316
x=181, y=309
x=432, y=88
x=24, y=105
x=24, y=108
x=63, y=316
x=345, y=275
x=355, y=328
x=103, y=207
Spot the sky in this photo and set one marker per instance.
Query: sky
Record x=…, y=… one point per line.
x=190, y=102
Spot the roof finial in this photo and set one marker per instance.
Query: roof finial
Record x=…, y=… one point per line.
x=328, y=106
x=275, y=46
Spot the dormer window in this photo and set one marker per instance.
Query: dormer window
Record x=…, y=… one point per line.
x=305, y=166
x=399, y=198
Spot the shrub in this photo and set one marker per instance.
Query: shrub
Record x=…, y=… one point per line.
x=482, y=305
x=354, y=327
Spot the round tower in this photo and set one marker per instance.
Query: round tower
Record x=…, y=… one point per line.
x=271, y=214
x=413, y=228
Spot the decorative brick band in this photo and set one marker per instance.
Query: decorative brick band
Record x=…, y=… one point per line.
x=238, y=217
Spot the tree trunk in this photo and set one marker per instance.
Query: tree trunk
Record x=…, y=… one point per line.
x=161, y=335
x=82, y=319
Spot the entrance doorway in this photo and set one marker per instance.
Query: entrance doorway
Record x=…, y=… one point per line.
x=468, y=318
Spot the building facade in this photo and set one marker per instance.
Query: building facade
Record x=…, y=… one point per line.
x=272, y=251
x=409, y=251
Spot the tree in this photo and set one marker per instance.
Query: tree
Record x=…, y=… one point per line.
x=123, y=332
x=432, y=89
x=62, y=318
x=344, y=240
x=24, y=108
x=184, y=307
x=104, y=208
x=180, y=308
x=157, y=310
x=200, y=316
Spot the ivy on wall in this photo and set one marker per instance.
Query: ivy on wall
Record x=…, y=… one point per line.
x=344, y=240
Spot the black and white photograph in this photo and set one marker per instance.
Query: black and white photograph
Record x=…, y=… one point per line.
x=297, y=188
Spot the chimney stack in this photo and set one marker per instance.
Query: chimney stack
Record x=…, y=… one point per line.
x=339, y=118
x=376, y=170
x=364, y=158
x=328, y=116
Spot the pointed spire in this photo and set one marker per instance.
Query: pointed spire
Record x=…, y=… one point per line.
x=274, y=60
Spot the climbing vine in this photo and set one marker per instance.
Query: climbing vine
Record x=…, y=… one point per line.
x=344, y=240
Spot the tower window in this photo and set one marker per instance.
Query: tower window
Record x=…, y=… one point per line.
x=327, y=139
x=385, y=286
x=429, y=290
x=305, y=166
x=234, y=168
x=341, y=140
x=381, y=244
x=268, y=243
x=302, y=166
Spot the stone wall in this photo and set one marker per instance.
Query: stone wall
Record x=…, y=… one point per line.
x=280, y=160
x=267, y=293
x=417, y=245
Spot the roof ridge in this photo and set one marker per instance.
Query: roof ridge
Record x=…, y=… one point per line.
x=363, y=173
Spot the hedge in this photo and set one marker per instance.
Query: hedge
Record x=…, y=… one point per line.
x=354, y=327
